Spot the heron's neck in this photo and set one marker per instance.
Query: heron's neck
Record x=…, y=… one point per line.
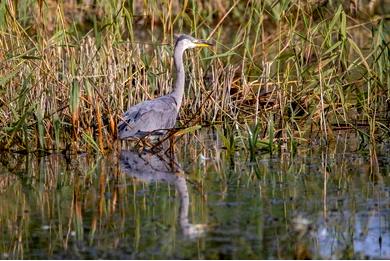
x=178, y=90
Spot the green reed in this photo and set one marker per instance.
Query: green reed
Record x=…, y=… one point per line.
x=312, y=68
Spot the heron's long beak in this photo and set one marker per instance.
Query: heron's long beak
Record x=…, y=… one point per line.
x=203, y=43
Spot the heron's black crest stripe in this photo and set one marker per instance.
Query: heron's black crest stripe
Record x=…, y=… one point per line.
x=182, y=37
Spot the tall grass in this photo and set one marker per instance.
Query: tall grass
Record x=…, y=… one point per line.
x=69, y=69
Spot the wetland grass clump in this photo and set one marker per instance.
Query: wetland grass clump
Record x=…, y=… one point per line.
x=68, y=70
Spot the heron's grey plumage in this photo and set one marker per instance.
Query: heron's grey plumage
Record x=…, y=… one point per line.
x=159, y=114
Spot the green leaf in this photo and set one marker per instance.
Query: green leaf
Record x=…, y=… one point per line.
x=89, y=140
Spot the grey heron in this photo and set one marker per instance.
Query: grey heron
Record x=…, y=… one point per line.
x=157, y=115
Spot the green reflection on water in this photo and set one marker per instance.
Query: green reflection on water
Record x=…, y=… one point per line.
x=329, y=203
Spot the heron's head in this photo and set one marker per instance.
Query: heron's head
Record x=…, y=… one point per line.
x=186, y=42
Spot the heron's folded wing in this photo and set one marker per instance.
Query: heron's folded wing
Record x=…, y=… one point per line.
x=149, y=116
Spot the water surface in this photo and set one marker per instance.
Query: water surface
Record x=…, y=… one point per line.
x=330, y=202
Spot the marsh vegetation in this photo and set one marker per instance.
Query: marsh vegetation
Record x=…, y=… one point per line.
x=286, y=70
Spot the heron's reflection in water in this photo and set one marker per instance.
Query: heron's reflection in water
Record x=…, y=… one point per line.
x=149, y=167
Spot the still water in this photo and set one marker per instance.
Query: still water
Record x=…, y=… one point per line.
x=330, y=202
